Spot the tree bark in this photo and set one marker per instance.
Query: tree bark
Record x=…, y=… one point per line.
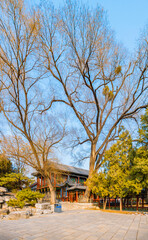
x=91, y=169
x=104, y=203
x=120, y=204
x=52, y=191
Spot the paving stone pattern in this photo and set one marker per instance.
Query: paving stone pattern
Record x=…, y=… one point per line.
x=79, y=225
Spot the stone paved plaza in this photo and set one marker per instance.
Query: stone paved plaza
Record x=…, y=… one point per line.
x=78, y=224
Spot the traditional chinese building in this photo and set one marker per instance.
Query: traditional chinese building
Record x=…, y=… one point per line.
x=71, y=185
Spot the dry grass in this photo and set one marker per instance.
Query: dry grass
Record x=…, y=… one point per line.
x=116, y=211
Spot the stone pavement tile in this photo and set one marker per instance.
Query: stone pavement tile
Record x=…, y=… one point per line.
x=99, y=234
x=17, y=239
x=84, y=236
x=90, y=229
x=134, y=227
x=143, y=220
x=132, y=235
x=8, y=236
x=120, y=234
x=69, y=230
x=38, y=235
x=92, y=238
x=83, y=228
x=68, y=226
x=76, y=234
x=107, y=236
x=24, y=236
x=113, y=230
x=3, y=238
x=41, y=238
x=142, y=235
x=117, y=238
x=102, y=230
x=64, y=234
x=143, y=226
x=28, y=238
x=53, y=237
x=58, y=235
x=68, y=238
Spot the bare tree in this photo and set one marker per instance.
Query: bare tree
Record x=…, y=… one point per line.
x=20, y=76
x=96, y=78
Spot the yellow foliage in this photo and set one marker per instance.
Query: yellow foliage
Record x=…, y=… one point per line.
x=105, y=90
x=107, y=93
x=110, y=95
x=118, y=69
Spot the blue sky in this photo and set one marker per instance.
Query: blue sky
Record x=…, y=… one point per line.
x=126, y=17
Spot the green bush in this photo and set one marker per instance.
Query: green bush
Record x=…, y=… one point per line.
x=25, y=196
x=15, y=203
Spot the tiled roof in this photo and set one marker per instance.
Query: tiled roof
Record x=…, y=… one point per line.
x=69, y=169
x=76, y=187
x=33, y=184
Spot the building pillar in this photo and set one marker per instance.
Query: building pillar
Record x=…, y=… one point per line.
x=62, y=194
x=41, y=181
x=72, y=197
x=76, y=196
x=38, y=182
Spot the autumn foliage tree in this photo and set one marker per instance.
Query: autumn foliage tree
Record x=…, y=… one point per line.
x=100, y=84
x=9, y=177
x=85, y=69
x=124, y=170
x=20, y=76
x=140, y=161
x=5, y=165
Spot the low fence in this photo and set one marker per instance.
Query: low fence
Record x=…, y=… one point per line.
x=135, y=204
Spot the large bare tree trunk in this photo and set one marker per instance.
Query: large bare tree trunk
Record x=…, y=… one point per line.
x=95, y=97
x=91, y=169
x=52, y=191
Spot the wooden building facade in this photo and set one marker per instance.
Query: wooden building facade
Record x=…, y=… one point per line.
x=69, y=186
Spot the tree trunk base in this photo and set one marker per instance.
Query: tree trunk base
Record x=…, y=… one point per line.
x=121, y=203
